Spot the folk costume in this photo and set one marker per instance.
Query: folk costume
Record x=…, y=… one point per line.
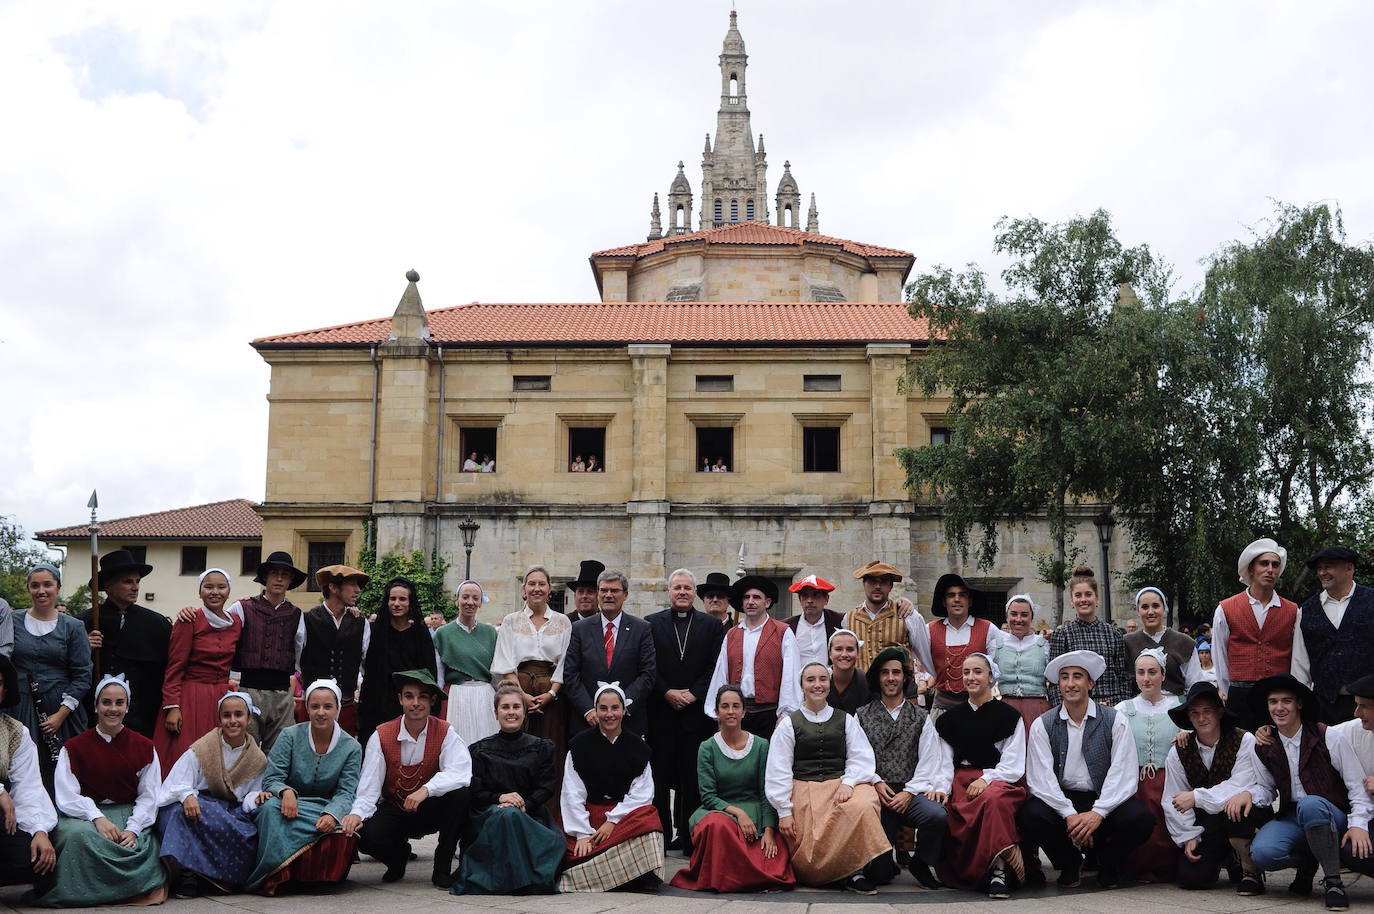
x=335, y=646
x=722, y=861
x=291, y=849
x=605, y=781
x=391, y=651
x=116, y=778
x=1103, y=639
x=464, y=666
x=950, y=644
x=1181, y=665
x=763, y=661
x=1021, y=670
x=1153, y=728
x=1337, y=643
x=1214, y=774
x=269, y=651
x=199, y=656
x=966, y=743
x=512, y=851
x=395, y=765
x=21, y=778
x=53, y=658
x=810, y=756
x=886, y=628
x=222, y=846
x=1250, y=640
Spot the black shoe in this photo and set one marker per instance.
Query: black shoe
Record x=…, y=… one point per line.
x=859, y=885
x=1335, y=896
x=395, y=870
x=187, y=886
x=923, y=874
x=997, y=886
x=1035, y=877
x=442, y=879
x=1070, y=876
x=1108, y=874
x=1301, y=886
x=1250, y=885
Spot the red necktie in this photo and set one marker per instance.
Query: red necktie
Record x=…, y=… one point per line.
x=610, y=642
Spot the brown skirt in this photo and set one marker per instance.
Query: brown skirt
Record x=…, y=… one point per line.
x=535, y=677
x=834, y=839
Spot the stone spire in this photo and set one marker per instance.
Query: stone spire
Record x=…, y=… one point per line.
x=679, y=204
x=655, y=226
x=788, y=199
x=812, y=222
x=737, y=173
x=409, y=323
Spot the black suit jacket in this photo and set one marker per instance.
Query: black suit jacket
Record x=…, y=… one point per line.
x=632, y=665
x=833, y=620
x=691, y=670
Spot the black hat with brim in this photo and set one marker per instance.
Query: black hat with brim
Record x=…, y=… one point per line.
x=1202, y=691
x=11, y=679
x=1332, y=554
x=752, y=582
x=876, y=667
x=587, y=573
x=946, y=581
x=715, y=583
x=281, y=560
x=1286, y=682
x=1361, y=688
x=118, y=562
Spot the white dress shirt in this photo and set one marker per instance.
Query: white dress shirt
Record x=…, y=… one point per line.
x=789, y=689
x=72, y=802
x=577, y=822
x=859, y=763
x=455, y=767
x=1362, y=741
x=1119, y=785
x=812, y=644
x=1221, y=635
x=187, y=777
x=1183, y=826
x=1334, y=607
x=918, y=636
x=935, y=766
x=1346, y=763
x=33, y=811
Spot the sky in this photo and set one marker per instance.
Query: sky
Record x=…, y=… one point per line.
x=178, y=178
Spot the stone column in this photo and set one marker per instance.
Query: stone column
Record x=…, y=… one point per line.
x=402, y=423
x=648, y=504
x=889, y=507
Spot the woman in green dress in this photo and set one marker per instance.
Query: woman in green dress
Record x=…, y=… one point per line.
x=309, y=786
x=464, y=650
x=735, y=846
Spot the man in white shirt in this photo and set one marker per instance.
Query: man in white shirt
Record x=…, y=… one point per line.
x=26, y=854
x=1336, y=626
x=1360, y=731
x=760, y=656
x=1255, y=632
x=816, y=623
x=1081, y=772
x=414, y=782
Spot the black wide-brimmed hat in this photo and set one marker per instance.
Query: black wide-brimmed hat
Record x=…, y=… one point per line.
x=752, y=582
x=1201, y=691
x=282, y=560
x=11, y=679
x=1332, y=554
x=946, y=581
x=118, y=562
x=876, y=667
x=587, y=573
x=1259, y=696
x=1360, y=688
x=715, y=583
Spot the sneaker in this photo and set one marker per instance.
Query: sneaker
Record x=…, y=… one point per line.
x=1335, y=896
x=859, y=885
x=923, y=874
x=1070, y=876
x=1250, y=885
x=997, y=886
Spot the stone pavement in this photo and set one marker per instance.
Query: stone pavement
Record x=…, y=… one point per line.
x=364, y=893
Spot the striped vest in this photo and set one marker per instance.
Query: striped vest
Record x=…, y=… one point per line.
x=876, y=633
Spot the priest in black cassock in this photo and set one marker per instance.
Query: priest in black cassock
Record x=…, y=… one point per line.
x=132, y=639
x=686, y=645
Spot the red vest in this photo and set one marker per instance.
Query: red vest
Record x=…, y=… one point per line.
x=400, y=781
x=1253, y=653
x=108, y=772
x=1316, y=773
x=949, y=661
x=767, y=660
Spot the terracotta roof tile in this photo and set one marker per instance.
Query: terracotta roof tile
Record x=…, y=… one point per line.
x=751, y=233
x=612, y=323
x=220, y=520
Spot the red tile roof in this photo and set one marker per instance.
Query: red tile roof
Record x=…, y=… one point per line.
x=751, y=233
x=618, y=323
x=220, y=520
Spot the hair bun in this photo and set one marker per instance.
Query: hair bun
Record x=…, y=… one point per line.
x=1082, y=571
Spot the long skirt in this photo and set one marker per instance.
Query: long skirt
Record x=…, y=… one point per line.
x=834, y=839
x=634, y=849
x=199, y=715
x=977, y=830
x=291, y=849
x=722, y=861
x=1030, y=707
x=514, y=853
x=1157, y=859
x=535, y=677
x=470, y=711
x=96, y=870
x=222, y=846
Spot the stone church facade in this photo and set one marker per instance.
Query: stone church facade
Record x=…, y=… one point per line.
x=737, y=383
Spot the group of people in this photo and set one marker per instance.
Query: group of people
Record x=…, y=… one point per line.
x=486, y=464
x=569, y=752
x=591, y=465
x=714, y=466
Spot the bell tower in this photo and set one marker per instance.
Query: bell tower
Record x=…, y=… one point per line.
x=734, y=170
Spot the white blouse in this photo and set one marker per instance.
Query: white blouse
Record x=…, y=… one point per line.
x=187, y=777
x=859, y=763
x=33, y=811
x=517, y=640
x=576, y=821
x=72, y=802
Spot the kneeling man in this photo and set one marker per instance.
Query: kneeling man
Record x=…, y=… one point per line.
x=414, y=782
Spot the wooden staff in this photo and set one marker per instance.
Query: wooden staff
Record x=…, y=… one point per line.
x=95, y=580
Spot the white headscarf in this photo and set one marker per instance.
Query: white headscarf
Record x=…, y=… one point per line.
x=1163, y=599
x=992, y=664
x=252, y=708
x=612, y=687
x=116, y=679
x=201, y=580
x=329, y=684
x=1157, y=653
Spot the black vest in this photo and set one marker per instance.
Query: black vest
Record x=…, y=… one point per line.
x=332, y=653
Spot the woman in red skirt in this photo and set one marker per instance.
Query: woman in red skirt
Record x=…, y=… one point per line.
x=1154, y=731
x=972, y=760
x=614, y=836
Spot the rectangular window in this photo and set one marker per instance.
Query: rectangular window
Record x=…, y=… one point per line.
x=478, y=447
x=715, y=450
x=821, y=449
x=139, y=553
x=252, y=555
x=827, y=382
x=193, y=559
x=321, y=553
x=586, y=449
x=939, y=435
x=715, y=383
x=531, y=382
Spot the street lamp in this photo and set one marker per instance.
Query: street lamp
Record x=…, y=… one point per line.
x=469, y=528
x=1105, y=525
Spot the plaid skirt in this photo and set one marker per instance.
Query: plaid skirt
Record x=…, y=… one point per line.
x=633, y=849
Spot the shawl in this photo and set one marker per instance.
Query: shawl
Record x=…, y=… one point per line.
x=608, y=768
x=973, y=734
x=222, y=782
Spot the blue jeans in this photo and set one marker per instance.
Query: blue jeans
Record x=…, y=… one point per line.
x=1276, y=841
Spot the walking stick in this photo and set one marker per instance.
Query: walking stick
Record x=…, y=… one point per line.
x=95, y=580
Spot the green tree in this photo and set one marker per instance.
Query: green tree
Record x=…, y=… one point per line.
x=17, y=556
x=428, y=578
x=1046, y=382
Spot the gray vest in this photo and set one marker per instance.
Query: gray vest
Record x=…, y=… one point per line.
x=1097, y=743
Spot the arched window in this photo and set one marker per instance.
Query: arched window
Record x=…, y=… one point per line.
x=677, y=217
x=734, y=210
x=734, y=89
x=787, y=216
x=749, y=211
x=718, y=213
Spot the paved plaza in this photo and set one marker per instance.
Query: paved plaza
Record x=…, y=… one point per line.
x=364, y=893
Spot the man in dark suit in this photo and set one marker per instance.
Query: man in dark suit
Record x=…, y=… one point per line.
x=816, y=623
x=686, y=645
x=611, y=646
x=131, y=639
